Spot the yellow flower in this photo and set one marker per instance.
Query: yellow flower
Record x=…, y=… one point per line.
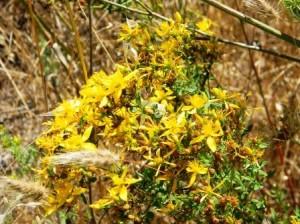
x=169, y=46
x=219, y=93
x=78, y=142
x=118, y=191
x=115, y=83
x=209, y=131
x=177, y=17
x=127, y=31
x=253, y=153
x=204, y=25
x=151, y=128
x=49, y=143
x=107, y=122
x=174, y=126
x=65, y=114
x=93, y=91
x=209, y=190
x=162, y=95
x=64, y=192
x=195, y=168
x=101, y=85
x=158, y=160
x=295, y=220
x=165, y=28
x=168, y=208
x=196, y=101
x=121, y=184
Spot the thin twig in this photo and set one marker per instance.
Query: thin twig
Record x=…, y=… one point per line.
x=90, y=35
x=35, y=38
x=205, y=36
x=16, y=88
x=258, y=80
x=252, y=47
x=247, y=19
x=77, y=40
x=98, y=38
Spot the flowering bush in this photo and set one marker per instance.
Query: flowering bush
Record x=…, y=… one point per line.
x=154, y=140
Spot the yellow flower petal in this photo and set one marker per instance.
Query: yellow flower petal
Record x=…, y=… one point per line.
x=192, y=180
x=101, y=203
x=123, y=193
x=211, y=142
x=87, y=133
x=178, y=17
x=204, y=25
x=197, y=139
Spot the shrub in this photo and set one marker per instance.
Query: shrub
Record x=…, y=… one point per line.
x=154, y=140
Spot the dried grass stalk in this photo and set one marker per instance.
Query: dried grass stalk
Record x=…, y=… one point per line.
x=263, y=8
x=29, y=190
x=101, y=159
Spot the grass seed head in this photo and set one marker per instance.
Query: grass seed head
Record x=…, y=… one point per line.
x=28, y=189
x=263, y=8
x=100, y=159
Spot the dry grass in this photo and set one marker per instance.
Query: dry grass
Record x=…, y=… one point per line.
x=20, y=198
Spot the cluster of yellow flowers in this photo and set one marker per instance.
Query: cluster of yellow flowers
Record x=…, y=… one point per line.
x=154, y=111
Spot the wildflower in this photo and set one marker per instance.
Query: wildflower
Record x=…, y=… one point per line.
x=93, y=90
x=158, y=160
x=204, y=25
x=121, y=184
x=209, y=190
x=128, y=31
x=195, y=168
x=209, y=131
x=64, y=191
x=78, y=142
x=115, y=83
x=160, y=95
x=219, y=93
x=174, y=126
x=165, y=28
x=196, y=101
x=49, y=142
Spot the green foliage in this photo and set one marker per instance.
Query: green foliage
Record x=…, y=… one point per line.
x=293, y=6
x=25, y=157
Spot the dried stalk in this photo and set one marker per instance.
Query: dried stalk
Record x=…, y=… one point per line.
x=16, y=88
x=77, y=41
